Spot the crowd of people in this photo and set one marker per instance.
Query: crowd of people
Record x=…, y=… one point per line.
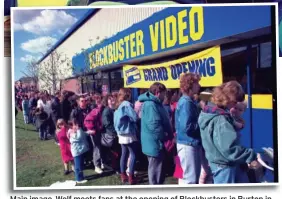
x=194, y=138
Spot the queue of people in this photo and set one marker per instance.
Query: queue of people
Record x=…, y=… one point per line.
x=202, y=138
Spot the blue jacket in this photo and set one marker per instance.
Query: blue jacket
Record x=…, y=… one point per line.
x=220, y=140
x=186, y=122
x=25, y=106
x=125, y=119
x=79, y=143
x=155, y=125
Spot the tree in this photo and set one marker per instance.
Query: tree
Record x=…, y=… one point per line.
x=32, y=70
x=54, y=68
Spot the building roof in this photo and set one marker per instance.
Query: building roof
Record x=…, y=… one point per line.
x=93, y=11
x=76, y=26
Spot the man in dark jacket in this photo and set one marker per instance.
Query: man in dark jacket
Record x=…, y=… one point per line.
x=66, y=106
x=155, y=130
x=80, y=112
x=56, y=108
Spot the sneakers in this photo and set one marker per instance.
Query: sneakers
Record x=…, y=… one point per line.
x=66, y=172
x=102, y=166
x=98, y=170
x=81, y=182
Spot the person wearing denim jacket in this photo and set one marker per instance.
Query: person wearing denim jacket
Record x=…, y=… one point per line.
x=187, y=130
x=125, y=123
x=219, y=138
x=155, y=130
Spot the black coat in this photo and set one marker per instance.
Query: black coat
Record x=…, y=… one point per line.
x=108, y=121
x=41, y=119
x=56, y=109
x=66, y=109
x=80, y=114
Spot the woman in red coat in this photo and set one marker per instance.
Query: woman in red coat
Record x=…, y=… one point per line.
x=64, y=145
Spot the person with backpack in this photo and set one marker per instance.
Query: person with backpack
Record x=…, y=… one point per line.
x=93, y=122
x=109, y=139
x=155, y=131
x=125, y=122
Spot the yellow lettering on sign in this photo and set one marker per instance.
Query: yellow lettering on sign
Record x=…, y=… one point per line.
x=154, y=34
x=139, y=42
x=105, y=57
x=182, y=25
x=115, y=51
x=132, y=45
x=110, y=51
x=121, y=50
x=102, y=57
x=91, y=61
x=162, y=28
x=97, y=57
x=171, y=32
x=126, y=39
x=196, y=34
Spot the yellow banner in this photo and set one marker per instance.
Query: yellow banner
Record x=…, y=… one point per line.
x=206, y=63
x=25, y=3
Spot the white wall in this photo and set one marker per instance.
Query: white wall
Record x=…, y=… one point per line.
x=105, y=23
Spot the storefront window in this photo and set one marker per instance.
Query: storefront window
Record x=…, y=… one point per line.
x=265, y=55
x=116, y=80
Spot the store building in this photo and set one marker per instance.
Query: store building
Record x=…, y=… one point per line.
x=147, y=36
x=157, y=35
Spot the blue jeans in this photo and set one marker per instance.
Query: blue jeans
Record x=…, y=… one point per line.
x=125, y=148
x=223, y=174
x=42, y=132
x=190, y=161
x=78, y=167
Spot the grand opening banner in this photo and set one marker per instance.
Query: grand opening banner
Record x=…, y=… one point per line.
x=206, y=63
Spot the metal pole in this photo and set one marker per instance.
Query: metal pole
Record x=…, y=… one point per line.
x=110, y=82
x=249, y=88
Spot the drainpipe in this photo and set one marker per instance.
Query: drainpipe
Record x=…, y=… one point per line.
x=249, y=89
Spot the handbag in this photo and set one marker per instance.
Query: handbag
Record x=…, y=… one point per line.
x=107, y=140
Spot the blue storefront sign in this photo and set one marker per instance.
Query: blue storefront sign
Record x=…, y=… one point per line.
x=174, y=28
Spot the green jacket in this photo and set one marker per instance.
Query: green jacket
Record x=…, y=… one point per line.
x=155, y=125
x=220, y=140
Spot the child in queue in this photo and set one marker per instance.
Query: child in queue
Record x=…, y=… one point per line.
x=238, y=123
x=79, y=146
x=65, y=148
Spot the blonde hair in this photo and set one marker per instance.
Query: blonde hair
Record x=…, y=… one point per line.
x=227, y=93
x=59, y=122
x=123, y=95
